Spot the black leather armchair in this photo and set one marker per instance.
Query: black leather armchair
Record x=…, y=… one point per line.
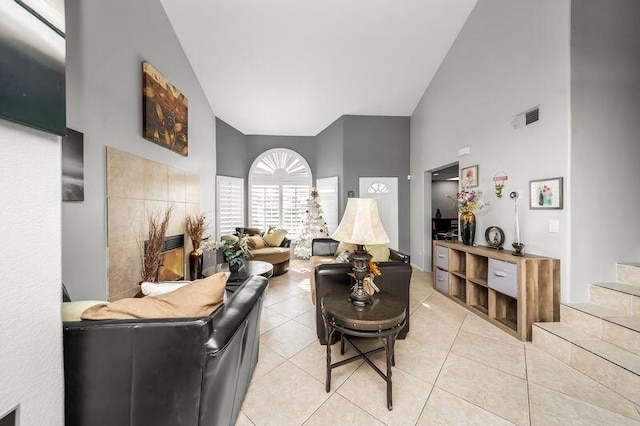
x=329, y=277
x=191, y=371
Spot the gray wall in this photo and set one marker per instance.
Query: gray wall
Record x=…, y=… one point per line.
x=106, y=45
x=440, y=191
x=330, y=156
x=605, y=148
x=509, y=56
x=379, y=146
x=231, y=151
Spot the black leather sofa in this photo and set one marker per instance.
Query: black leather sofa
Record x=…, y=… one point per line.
x=329, y=277
x=191, y=371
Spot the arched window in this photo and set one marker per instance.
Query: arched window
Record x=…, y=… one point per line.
x=279, y=185
x=378, y=188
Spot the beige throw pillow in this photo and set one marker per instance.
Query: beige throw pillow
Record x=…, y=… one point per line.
x=275, y=238
x=197, y=299
x=380, y=252
x=342, y=247
x=256, y=242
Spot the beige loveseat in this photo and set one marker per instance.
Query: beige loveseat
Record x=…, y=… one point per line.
x=271, y=247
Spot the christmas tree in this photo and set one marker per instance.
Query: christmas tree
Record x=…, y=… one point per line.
x=313, y=226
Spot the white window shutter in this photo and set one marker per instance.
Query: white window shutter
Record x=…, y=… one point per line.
x=230, y=204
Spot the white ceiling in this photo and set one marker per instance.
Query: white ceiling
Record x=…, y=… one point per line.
x=292, y=67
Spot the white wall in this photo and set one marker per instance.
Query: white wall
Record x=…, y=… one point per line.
x=30, y=323
x=107, y=41
x=605, y=172
x=509, y=56
x=440, y=193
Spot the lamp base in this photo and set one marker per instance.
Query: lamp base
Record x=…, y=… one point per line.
x=360, y=259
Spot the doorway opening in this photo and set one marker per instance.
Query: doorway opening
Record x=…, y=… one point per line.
x=441, y=214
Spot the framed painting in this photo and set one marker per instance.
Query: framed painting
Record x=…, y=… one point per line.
x=545, y=194
x=469, y=176
x=165, y=112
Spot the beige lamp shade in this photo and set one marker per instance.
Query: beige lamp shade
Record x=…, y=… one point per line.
x=361, y=223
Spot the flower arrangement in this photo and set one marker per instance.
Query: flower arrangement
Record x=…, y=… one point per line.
x=233, y=248
x=468, y=201
x=196, y=225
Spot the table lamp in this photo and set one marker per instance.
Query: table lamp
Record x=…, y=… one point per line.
x=360, y=225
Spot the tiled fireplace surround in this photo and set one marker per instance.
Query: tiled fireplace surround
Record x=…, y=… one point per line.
x=136, y=187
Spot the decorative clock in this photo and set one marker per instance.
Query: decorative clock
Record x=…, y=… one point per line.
x=495, y=237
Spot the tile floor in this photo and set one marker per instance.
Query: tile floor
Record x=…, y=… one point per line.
x=453, y=368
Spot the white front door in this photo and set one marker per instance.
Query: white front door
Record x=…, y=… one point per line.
x=385, y=191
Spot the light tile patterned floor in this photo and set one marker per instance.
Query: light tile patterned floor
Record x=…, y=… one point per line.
x=453, y=368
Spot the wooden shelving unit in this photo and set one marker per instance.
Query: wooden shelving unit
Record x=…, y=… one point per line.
x=510, y=292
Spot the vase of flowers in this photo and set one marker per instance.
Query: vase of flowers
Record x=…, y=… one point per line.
x=196, y=225
x=467, y=202
x=236, y=250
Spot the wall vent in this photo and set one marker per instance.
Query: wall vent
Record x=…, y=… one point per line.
x=525, y=118
x=532, y=116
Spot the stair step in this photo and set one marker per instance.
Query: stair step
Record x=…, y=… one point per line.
x=628, y=272
x=612, y=366
x=608, y=324
x=616, y=295
x=633, y=290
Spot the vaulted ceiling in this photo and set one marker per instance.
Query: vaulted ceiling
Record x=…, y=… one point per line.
x=292, y=67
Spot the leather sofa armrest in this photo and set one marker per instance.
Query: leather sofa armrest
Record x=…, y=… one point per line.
x=286, y=243
x=324, y=247
x=395, y=255
x=235, y=310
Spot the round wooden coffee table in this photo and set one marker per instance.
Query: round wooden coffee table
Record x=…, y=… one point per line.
x=382, y=319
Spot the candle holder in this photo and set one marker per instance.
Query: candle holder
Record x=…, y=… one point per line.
x=518, y=247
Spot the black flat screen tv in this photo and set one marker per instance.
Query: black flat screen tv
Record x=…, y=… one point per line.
x=32, y=64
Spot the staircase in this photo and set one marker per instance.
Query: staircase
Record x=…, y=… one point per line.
x=602, y=338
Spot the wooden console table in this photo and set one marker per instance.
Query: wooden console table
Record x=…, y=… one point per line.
x=509, y=291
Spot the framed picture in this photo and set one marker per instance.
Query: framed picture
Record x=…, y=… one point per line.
x=545, y=193
x=165, y=113
x=469, y=176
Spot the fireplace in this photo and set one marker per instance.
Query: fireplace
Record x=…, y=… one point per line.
x=172, y=266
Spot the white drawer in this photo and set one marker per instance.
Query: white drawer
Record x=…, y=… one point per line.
x=442, y=257
x=503, y=277
x=442, y=281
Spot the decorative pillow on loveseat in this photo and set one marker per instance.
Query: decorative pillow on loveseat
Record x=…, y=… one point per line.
x=197, y=299
x=256, y=242
x=275, y=238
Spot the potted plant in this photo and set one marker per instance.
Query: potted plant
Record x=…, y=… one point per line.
x=236, y=250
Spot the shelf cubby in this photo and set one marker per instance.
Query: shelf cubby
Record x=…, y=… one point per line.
x=505, y=309
x=458, y=263
x=477, y=268
x=458, y=288
x=478, y=297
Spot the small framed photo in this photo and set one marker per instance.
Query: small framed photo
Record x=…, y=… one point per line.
x=469, y=176
x=545, y=193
